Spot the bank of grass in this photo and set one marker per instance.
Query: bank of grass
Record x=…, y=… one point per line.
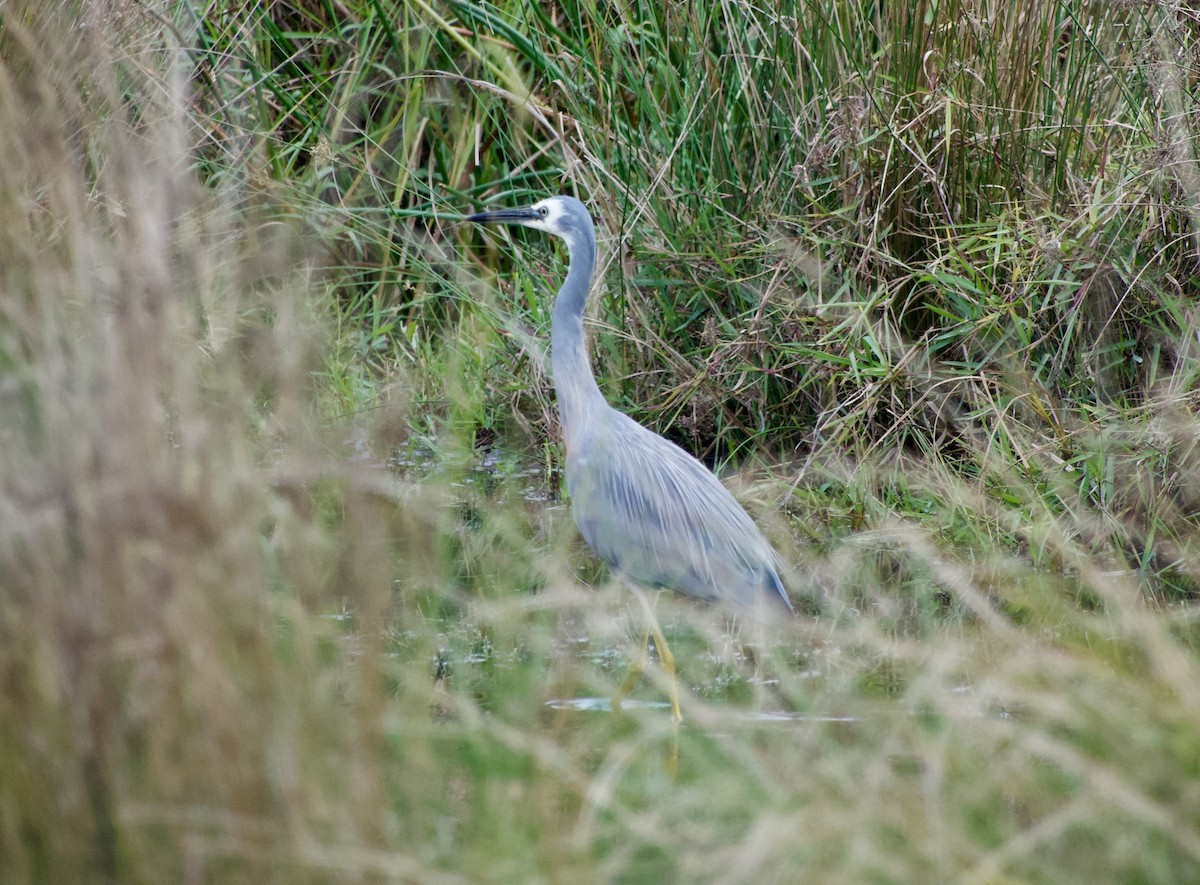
x=264, y=618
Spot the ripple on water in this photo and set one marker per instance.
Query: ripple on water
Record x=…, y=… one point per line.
x=604, y=705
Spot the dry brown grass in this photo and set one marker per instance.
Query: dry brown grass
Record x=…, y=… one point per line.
x=233, y=650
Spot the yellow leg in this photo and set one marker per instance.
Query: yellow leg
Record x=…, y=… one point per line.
x=636, y=667
x=664, y=655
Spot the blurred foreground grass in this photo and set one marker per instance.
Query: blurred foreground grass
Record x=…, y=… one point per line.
x=235, y=646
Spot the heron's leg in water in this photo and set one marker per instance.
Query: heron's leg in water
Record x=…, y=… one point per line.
x=665, y=657
x=636, y=668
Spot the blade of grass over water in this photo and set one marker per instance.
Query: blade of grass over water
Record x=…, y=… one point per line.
x=289, y=585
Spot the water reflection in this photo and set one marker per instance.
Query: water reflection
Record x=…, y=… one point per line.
x=604, y=705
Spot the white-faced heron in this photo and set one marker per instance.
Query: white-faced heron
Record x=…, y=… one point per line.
x=657, y=516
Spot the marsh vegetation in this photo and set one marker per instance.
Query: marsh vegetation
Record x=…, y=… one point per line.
x=289, y=590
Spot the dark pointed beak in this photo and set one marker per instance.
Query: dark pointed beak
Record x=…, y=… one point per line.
x=504, y=216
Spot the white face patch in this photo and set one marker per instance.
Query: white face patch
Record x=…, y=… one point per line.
x=550, y=222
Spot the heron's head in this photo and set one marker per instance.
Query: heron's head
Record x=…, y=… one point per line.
x=563, y=216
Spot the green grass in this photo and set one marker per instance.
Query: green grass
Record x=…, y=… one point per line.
x=289, y=591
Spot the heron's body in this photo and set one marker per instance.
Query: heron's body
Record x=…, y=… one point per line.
x=661, y=519
x=652, y=512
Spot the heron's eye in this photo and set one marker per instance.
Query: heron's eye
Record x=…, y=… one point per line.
x=542, y=211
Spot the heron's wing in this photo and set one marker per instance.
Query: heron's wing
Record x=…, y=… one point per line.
x=661, y=518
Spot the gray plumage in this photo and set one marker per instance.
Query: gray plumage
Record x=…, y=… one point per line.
x=652, y=512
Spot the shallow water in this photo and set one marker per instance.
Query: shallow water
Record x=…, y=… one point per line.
x=604, y=705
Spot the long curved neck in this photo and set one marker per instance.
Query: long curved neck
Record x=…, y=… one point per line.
x=574, y=383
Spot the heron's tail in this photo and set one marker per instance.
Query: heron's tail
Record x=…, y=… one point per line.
x=775, y=591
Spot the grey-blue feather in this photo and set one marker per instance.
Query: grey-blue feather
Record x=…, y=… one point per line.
x=661, y=519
